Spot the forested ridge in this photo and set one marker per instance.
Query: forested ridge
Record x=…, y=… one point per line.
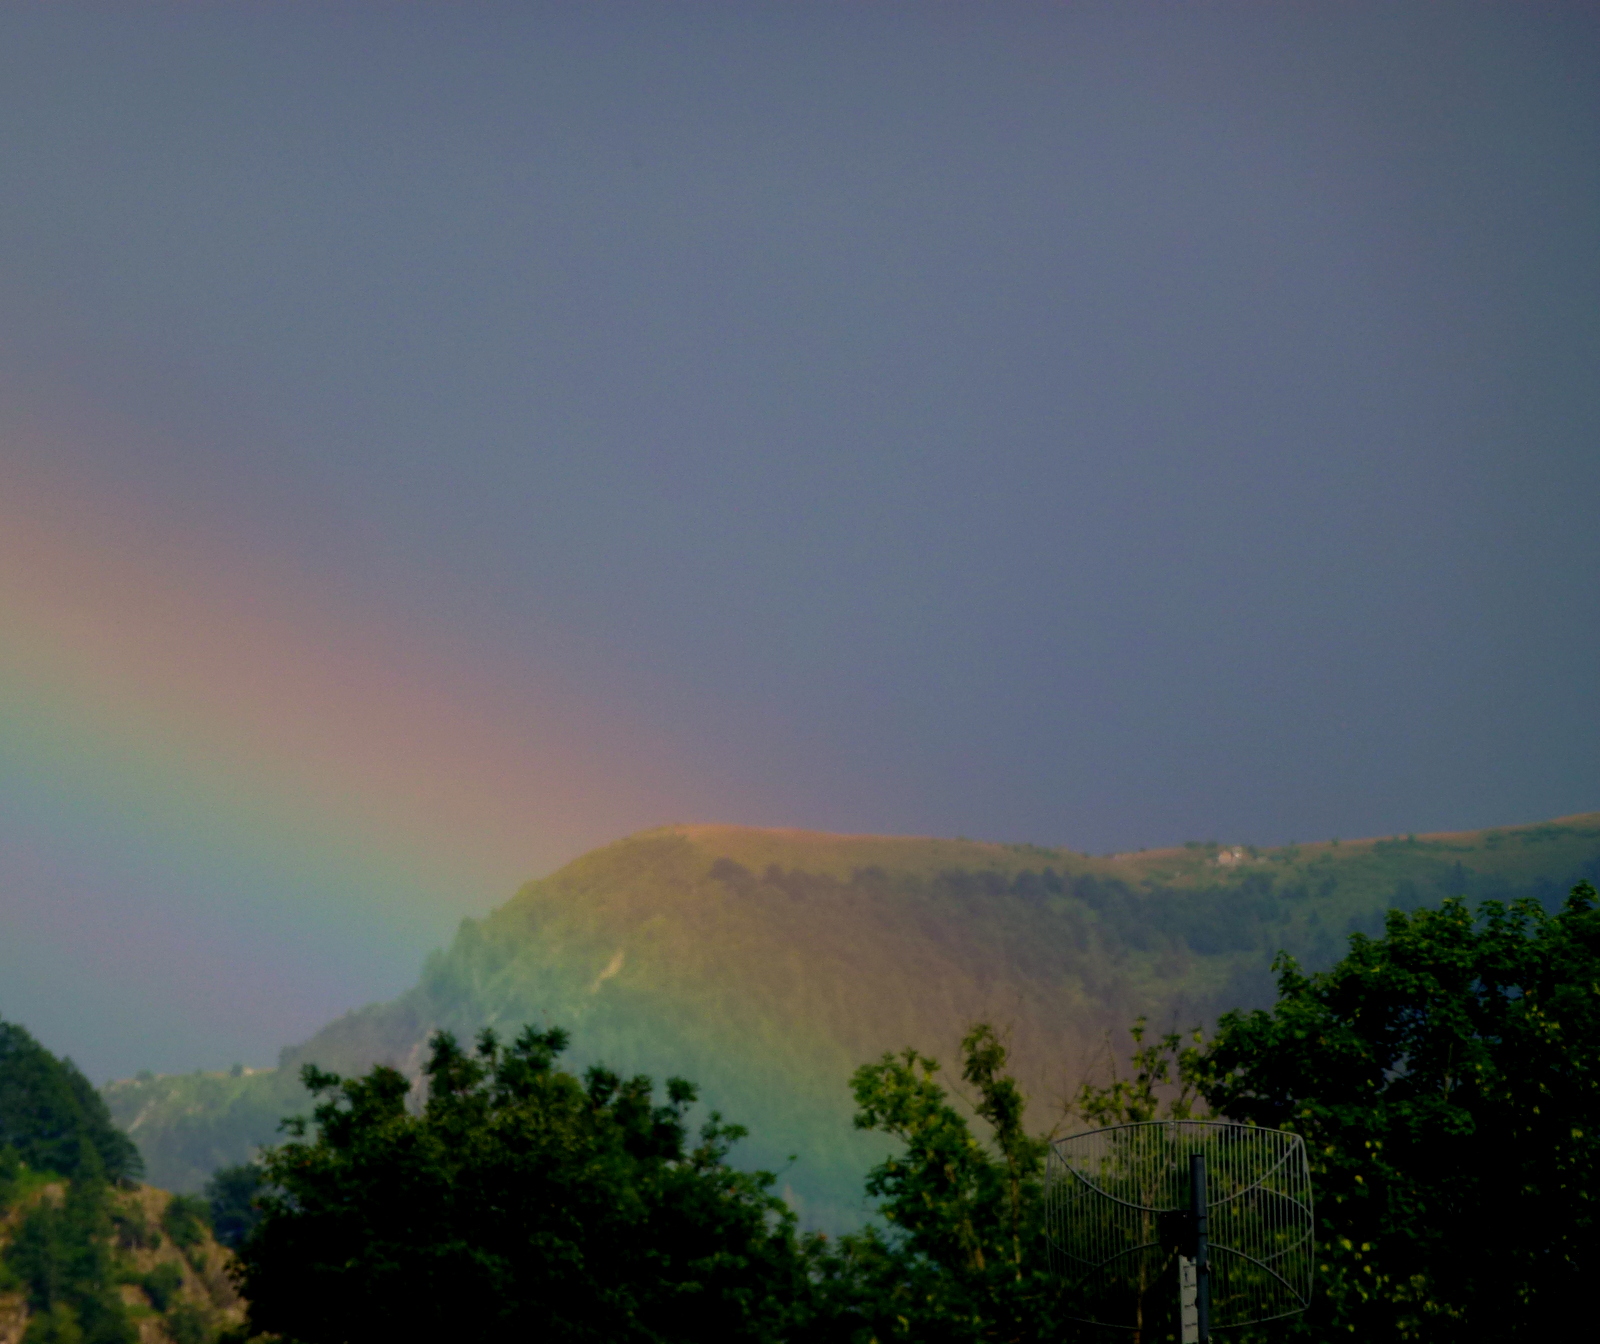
x=767, y=964
x=87, y=1254
x=1441, y=1072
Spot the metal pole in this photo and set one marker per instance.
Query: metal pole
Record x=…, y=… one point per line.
x=1188, y=1315
x=1202, y=1250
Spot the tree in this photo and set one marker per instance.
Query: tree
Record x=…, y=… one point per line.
x=231, y=1193
x=10, y=1175
x=1446, y=1080
x=54, y=1119
x=61, y=1254
x=964, y=1256
x=520, y=1200
x=186, y=1219
x=1165, y=1070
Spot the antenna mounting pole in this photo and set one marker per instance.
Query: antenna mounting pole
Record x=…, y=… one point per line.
x=1202, y=1248
x=1226, y=1206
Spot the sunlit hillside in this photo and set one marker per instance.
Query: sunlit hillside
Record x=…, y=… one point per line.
x=766, y=965
x=171, y=1276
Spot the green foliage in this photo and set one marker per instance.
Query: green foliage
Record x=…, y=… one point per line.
x=61, y=1253
x=133, y=1230
x=1444, y=1076
x=186, y=1220
x=162, y=1284
x=231, y=1194
x=10, y=1174
x=1446, y=1079
x=1166, y=1067
x=186, y=1323
x=520, y=1200
x=767, y=965
x=53, y=1118
x=65, y=1254
x=58, y=1325
x=965, y=1256
x=187, y=1125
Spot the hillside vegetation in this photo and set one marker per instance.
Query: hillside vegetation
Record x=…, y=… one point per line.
x=1439, y=1070
x=767, y=965
x=87, y=1256
x=51, y=1118
x=150, y=1255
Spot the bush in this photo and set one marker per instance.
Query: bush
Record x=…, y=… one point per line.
x=162, y=1284
x=58, y=1325
x=186, y=1323
x=232, y=1194
x=133, y=1229
x=186, y=1220
x=10, y=1174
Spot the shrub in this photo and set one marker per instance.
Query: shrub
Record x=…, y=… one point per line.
x=162, y=1284
x=232, y=1194
x=10, y=1174
x=58, y=1325
x=134, y=1232
x=186, y=1219
x=186, y=1323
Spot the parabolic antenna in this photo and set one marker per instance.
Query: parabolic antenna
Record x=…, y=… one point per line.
x=1175, y=1228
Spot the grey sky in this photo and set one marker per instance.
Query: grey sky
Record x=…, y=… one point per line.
x=1092, y=425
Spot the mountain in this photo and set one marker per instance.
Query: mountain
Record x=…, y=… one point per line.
x=765, y=965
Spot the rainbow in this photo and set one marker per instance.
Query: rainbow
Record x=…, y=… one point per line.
x=180, y=691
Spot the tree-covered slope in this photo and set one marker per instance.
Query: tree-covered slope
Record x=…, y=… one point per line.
x=51, y=1117
x=86, y=1254
x=766, y=965
x=108, y=1264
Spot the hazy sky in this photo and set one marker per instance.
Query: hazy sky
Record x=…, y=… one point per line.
x=1090, y=425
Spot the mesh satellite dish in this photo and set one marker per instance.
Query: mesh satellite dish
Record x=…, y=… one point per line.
x=1174, y=1228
